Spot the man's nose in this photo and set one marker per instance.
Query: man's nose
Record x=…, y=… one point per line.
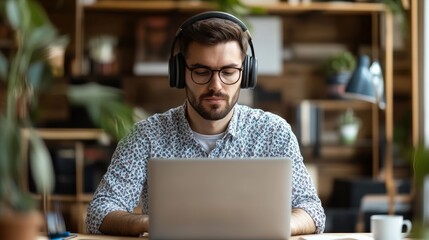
x=215, y=82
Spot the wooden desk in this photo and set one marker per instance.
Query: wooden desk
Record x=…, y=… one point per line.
x=106, y=237
x=97, y=237
x=336, y=236
x=339, y=236
x=348, y=236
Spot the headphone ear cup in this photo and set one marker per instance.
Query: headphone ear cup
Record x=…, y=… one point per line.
x=180, y=71
x=253, y=72
x=172, y=72
x=250, y=69
x=245, y=73
x=176, y=71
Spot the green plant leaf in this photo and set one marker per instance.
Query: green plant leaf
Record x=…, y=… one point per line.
x=92, y=93
x=13, y=14
x=104, y=106
x=2, y=6
x=9, y=147
x=33, y=32
x=40, y=37
x=39, y=75
x=421, y=163
x=11, y=166
x=10, y=143
x=340, y=62
x=34, y=75
x=37, y=14
x=4, y=65
x=41, y=165
x=116, y=118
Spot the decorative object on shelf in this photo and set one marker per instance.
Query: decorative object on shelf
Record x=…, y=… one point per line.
x=377, y=79
x=309, y=122
x=153, y=38
x=267, y=33
x=55, y=53
x=349, y=126
x=360, y=85
x=102, y=52
x=258, y=1
x=338, y=70
x=294, y=2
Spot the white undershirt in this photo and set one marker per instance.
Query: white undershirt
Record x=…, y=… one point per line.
x=208, y=142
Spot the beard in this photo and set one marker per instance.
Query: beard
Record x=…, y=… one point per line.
x=212, y=111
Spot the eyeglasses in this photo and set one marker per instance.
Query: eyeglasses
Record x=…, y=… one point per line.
x=203, y=75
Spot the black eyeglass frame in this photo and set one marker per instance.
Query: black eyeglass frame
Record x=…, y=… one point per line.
x=212, y=72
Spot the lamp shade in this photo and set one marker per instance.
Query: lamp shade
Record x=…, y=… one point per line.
x=377, y=79
x=361, y=85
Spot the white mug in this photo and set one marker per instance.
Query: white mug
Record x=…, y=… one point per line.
x=389, y=227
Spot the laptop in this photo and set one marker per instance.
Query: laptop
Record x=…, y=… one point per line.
x=209, y=198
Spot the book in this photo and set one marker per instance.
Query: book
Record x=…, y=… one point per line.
x=309, y=125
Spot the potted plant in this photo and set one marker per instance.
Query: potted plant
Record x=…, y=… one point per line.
x=338, y=69
x=25, y=72
x=349, y=126
x=33, y=32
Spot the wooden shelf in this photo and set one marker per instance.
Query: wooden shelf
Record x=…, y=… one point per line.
x=78, y=136
x=70, y=134
x=129, y=5
x=326, y=104
x=87, y=197
x=340, y=7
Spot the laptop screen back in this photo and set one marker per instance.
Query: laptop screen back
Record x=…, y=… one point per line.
x=211, y=198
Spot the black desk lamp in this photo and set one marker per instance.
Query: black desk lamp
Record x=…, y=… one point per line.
x=366, y=83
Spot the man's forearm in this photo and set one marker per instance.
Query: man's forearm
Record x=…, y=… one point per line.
x=124, y=223
x=301, y=222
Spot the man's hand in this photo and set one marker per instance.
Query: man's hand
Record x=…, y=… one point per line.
x=301, y=223
x=125, y=224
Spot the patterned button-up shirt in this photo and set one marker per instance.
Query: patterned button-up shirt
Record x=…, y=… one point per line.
x=250, y=133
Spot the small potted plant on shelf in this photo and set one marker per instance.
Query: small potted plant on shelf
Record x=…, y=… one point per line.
x=24, y=71
x=338, y=69
x=349, y=126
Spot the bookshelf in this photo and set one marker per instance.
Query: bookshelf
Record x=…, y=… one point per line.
x=377, y=12
x=381, y=29
x=78, y=197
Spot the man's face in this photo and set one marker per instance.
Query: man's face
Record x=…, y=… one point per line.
x=213, y=100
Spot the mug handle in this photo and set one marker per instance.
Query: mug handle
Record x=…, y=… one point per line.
x=408, y=226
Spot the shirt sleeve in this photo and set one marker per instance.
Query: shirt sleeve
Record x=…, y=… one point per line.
x=304, y=194
x=122, y=185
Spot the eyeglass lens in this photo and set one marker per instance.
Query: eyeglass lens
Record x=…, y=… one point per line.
x=228, y=75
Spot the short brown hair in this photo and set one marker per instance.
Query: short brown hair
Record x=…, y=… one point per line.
x=213, y=31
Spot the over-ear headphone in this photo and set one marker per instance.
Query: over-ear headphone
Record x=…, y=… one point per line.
x=176, y=63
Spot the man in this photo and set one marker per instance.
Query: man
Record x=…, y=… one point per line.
x=212, y=66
